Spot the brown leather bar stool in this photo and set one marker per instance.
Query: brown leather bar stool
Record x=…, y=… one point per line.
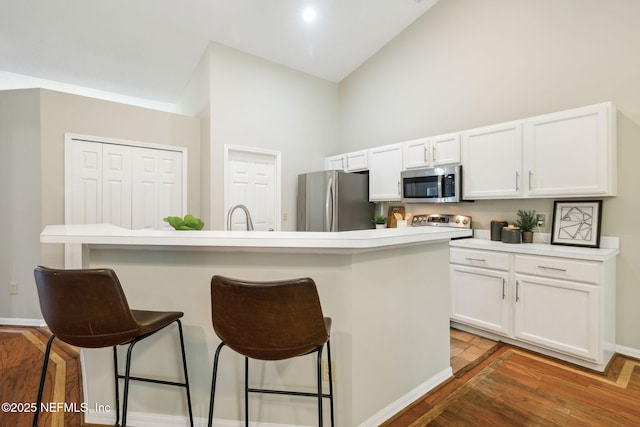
x=270, y=321
x=88, y=308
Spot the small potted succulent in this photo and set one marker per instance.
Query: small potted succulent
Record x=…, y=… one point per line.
x=380, y=221
x=526, y=221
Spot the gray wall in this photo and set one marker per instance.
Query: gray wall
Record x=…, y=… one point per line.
x=32, y=127
x=468, y=63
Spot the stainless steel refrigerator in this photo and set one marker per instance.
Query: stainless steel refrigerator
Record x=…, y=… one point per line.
x=334, y=201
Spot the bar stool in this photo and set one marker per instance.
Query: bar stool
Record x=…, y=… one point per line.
x=88, y=308
x=270, y=321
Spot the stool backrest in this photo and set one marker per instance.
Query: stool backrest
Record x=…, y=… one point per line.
x=85, y=308
x=268, y=320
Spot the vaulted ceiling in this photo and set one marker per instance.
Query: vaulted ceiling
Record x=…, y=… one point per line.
x=150, y=48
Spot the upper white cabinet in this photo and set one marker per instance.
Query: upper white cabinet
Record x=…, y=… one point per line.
x=433, y=151
x=350, y=162
x=567, y=154
x=337, y=162
x=571, y=153
x=385, y=166
x=492, y=161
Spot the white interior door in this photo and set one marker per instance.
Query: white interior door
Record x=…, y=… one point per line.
x=252, y=178
x=116, y=185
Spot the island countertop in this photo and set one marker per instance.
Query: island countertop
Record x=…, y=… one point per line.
x=249, y=241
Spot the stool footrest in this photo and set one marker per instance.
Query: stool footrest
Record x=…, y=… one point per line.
x=291, y=393
x=153, y=380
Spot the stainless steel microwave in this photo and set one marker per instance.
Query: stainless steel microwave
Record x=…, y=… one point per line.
x=433, y=185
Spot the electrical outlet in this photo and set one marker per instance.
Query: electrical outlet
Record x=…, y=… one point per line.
x=541, y=220
x=325, y=370
x=13, y=288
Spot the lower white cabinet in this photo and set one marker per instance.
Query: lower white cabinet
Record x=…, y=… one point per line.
x=558, y=303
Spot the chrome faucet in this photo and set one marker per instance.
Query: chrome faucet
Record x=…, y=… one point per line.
x=246, y=212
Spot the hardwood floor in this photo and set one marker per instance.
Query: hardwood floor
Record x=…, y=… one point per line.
x=494, y=384
x=508, y=386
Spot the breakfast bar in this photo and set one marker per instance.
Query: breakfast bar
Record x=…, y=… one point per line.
x=387, y=292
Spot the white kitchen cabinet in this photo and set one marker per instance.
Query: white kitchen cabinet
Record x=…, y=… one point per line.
x=561, y=303
x=566, y=154
x=492, y=162
x=479, y=293
x=571, y=153
x=349, y=162
x=357, y=161
x=337, y=162
x=433, y=151
x=385, y=166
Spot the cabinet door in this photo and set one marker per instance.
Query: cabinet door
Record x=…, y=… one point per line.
x=445, y=149
x=492, y=162
x=479, y=297
x=356, y=161
x=559, y=315
x=571, y=153
x=385, y=166
x=416, y=153
x=334, y=163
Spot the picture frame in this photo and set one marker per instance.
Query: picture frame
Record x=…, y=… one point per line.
x=576, y=223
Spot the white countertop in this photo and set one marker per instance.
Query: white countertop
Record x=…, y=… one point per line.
x=98, y=235
x=544, y=249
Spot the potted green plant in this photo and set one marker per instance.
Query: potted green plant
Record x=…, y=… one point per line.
x=526, y=221
x=380, y=221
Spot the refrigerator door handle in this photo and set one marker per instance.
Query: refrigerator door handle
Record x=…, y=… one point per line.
x=329, y=205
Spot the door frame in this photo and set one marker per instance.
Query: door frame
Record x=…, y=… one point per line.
x=276, y=157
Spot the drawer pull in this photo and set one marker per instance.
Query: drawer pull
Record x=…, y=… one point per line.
x=476, y=259
x=551, y=268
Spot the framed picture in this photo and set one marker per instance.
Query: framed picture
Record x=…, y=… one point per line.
x=576, y=223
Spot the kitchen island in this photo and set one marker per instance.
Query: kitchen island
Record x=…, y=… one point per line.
x=387, y=292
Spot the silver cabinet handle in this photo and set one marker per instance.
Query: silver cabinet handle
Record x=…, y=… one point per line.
x=544, y=267
x=426, y=154
x=433, y=154
x=517, y=181
x=530, y=175
x=476, y=259
x=399, y=188
x=517, y=291
x=503, y=293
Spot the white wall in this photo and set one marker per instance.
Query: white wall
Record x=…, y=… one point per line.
x=469, y=63
x=256, y=103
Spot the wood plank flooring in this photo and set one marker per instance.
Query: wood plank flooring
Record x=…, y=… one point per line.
x=508, y=386
x=494, y=384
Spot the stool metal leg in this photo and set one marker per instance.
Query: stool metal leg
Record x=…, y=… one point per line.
x=186, y=375
x=330, y=380
x=43, y=377
x=246, y=392
x=319, y=373
x=117, y=388
x=213, y=383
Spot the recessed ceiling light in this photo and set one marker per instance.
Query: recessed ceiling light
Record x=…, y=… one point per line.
x=309, y=14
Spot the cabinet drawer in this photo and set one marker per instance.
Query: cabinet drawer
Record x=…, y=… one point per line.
x=560, y=268
x=486, y=259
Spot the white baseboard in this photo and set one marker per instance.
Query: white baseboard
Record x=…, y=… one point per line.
x=627, y=351
x=141, y=419
x=406, y=400
x=16, y=321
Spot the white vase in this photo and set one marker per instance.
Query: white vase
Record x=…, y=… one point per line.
x=381, y=225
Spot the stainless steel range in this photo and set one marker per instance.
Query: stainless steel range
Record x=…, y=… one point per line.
x=441, y=220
